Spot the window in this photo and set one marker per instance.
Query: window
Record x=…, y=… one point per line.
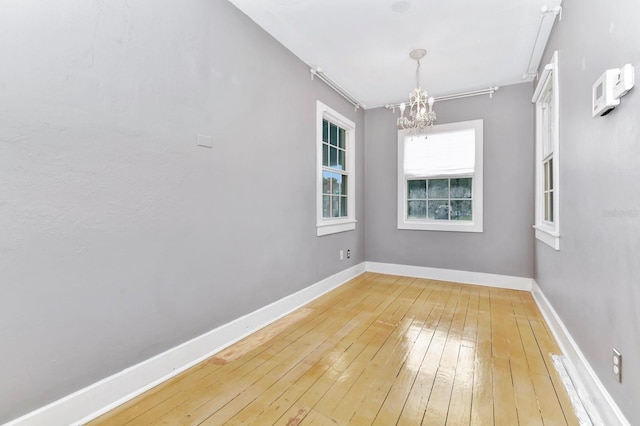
x=440, y=178
x=545, y=97
x=336, y=176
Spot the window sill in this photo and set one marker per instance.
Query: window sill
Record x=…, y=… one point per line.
x=335, y=227
x=449, y=226
x=549, y=236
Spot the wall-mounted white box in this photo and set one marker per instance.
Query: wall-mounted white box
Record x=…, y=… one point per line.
x=610, y=87
x=205, y=141
x=603, y=101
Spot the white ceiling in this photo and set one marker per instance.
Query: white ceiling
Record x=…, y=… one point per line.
x=364, y=45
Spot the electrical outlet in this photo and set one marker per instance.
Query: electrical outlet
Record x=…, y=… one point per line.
x=348, y=254
x=341, y=254
x=617, y=365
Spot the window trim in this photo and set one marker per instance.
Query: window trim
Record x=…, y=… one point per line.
x=476, y=225
x=326, y=226
x=545, y=231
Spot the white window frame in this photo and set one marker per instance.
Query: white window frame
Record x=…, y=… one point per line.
x=476, y=225
x=547, y=232
x=326, y=226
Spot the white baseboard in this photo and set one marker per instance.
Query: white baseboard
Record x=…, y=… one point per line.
x=599, y=404
x=98, y=398
x=477, y=278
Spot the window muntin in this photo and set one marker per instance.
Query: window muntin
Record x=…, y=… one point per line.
x=440, y=178
x=336, y=177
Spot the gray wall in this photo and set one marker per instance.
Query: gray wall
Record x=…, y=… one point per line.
x=120, y=238
x=506, y=245
x=593, y=281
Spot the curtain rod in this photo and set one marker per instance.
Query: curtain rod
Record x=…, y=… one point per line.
x=489, y=91
x=317, y=72
x=542, y=37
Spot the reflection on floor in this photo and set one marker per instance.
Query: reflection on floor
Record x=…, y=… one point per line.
x=382, y=350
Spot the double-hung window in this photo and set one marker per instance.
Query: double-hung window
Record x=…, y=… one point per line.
x=547, y=220
x=440, y=178
x=335, y=171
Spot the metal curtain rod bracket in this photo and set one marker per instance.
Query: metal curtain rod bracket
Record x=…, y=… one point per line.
x=489, y=91
x=317, y=72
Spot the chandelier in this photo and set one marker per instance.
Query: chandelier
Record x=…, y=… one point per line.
x=420, y=113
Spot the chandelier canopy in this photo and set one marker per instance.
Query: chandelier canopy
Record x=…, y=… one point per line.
x=420, y=113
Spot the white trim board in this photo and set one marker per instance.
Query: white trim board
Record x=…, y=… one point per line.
x=477, y=278
x=599, y=404
x=98, y=398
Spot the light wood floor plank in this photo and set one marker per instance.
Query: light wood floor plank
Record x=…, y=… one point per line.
x=482, y=401
x=381, y=350
x=526, y=400
x=459, y=412
x=504, y=400
x=418, y=398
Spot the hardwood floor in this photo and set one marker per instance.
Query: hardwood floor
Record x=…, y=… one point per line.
x=378, y=350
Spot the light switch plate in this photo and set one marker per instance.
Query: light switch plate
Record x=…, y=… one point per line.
x=205, y=141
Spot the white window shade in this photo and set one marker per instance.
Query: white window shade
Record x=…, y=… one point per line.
x=440, y=154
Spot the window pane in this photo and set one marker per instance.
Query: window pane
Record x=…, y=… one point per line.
x=343, y=206
x=461, y=210
x=550, y=206
x=341, y=139
x=325, y=131
x=439, y=209
x=461, y=188
x=550, y=162
x=326, y=204
x=548, y=123
x=417, y=209
x=333, y=157
x=325, y=155
x=326, y=182
x=343, y=186
x=341, y=164
x=546, y=176
x=438, y=188
x=335, y=206
x=544, y=134
x=546, y=205
x=333, y=134
x=417, y=189
x=336, y=183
